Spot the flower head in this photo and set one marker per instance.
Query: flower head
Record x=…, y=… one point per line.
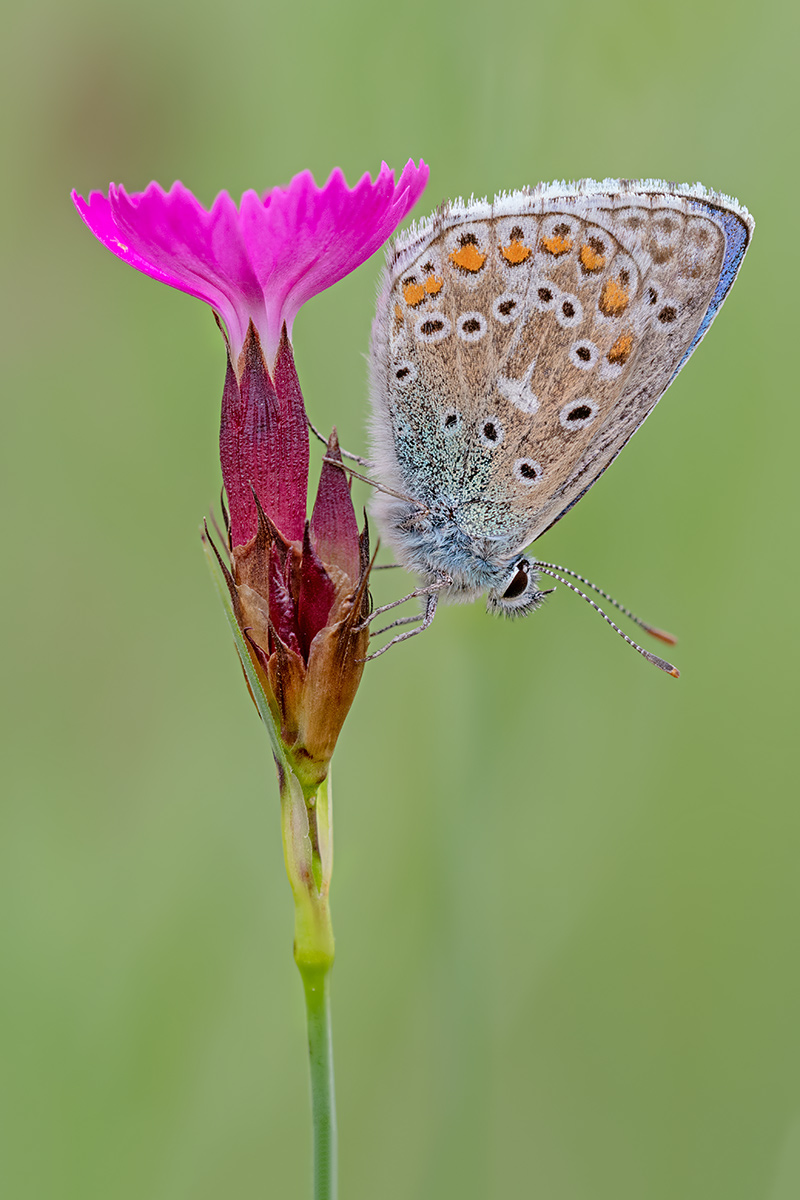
x=262, y=261
x=297, y=587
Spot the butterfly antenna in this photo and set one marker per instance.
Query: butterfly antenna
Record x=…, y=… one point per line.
x=661, y=634
x=657, y=662
x=379, y=487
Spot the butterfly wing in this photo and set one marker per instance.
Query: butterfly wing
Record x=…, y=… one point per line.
x=519, y=345
x=688, y=249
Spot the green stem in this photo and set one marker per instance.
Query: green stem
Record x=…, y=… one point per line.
x=308, y=853
x=316, y=983
x=308, y=849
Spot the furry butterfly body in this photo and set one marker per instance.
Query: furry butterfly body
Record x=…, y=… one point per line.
x=517, y=347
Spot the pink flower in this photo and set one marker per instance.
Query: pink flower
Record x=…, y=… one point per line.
x=297, y=587
x=256, y=265
x=262, y=261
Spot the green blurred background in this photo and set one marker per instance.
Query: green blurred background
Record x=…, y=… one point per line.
x=566, y=892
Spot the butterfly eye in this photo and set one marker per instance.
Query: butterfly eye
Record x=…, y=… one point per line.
x=518, y=584
x=519, y=593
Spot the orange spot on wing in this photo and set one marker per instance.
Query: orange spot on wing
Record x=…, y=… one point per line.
x=515, y=252
x=398, y=314
x=556, y=244
x=413, y=294
x=614, y=298
x=591, y=259
x=468, y=257
x=433, y=285
x=620, y=352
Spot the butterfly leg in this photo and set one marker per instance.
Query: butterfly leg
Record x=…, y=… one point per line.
x=431, y=601
x=428, y=591
x=363, y=462
x=394, y=624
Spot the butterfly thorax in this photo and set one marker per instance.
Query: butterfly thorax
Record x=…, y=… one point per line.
x=437, y=543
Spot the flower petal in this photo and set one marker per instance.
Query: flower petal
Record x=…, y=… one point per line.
x=304, y=238
x=171, y=237
x=260, y=262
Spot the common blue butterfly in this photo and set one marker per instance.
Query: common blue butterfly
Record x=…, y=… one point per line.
x=517, y=347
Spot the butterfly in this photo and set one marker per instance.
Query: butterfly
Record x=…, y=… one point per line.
x=517, y=346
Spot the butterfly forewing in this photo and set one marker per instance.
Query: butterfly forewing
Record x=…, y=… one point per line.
x=523, y=343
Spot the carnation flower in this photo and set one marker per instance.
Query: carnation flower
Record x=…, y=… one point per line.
x=294, y=587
